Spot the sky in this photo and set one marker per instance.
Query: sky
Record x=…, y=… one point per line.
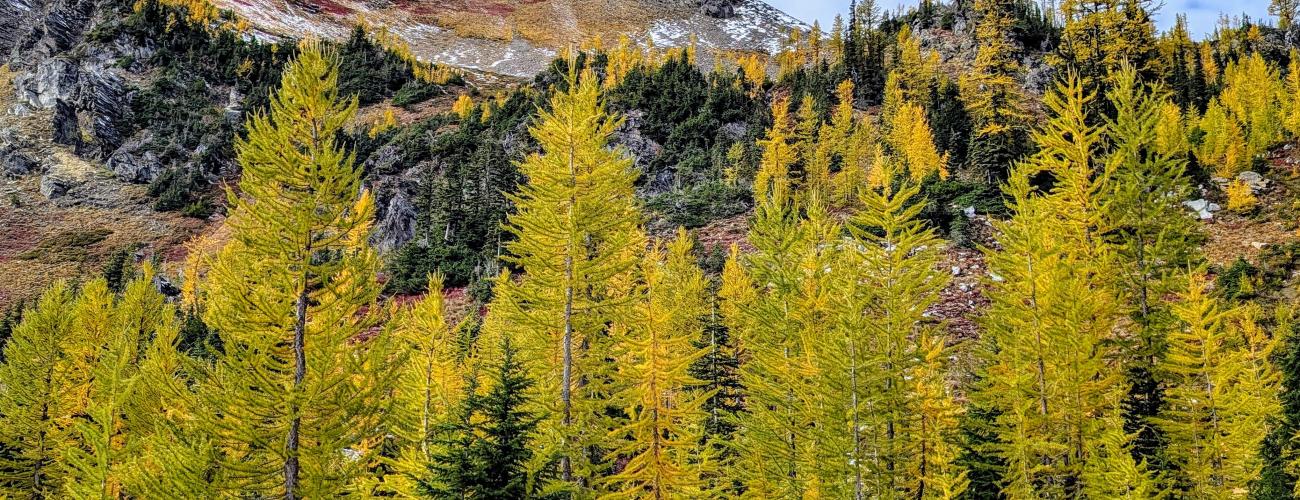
x=1202, y=15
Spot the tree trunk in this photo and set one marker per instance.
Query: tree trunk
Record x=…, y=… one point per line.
x=299, y=371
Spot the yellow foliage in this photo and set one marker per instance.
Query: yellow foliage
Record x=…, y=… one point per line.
x=755, y=71
x=1291, y=100
x=464, y=106
x=622, y=58
x=915, y=73
x=1208, y=63
x=423, y=70
x=912, y=142
x=384, y=122
x=1240, y=197
x=1171, y=130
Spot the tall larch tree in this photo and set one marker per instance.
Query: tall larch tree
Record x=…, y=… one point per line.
x=1153, y=234
x=1050, y=373
x=763, y=302
x=1101, y=35
x=654, y=348
x=1291, y=98
x=39, y=400
x=885, y=358
x=430, y=388
x=295, y=387
x=1222, y=395
x=98, y=466
x=576, y=229
x=992, y=93
x=176, y=456
x=911, y=143
x=1285, y=11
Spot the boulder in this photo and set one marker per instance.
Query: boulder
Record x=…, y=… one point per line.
x=17, y=164
x=629, y=135
x=234, y=109
x=13, y=161
x=734, y=131
x=1203, y=208
x=1256, y=181
x=165, y=287
x=130, y=164
x=53, y=80
x=55, y=186
x=395, y=217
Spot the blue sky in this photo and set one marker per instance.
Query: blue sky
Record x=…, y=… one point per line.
x=1201, y=14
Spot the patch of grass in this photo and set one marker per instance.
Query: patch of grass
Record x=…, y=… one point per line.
x=68, y=245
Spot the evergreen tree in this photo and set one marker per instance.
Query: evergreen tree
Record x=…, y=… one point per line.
x=992, y=93
x=429, y=389
x=294, y=387
x=486, y=450
x=1101, y=35
x=1153, y=236
x=1277, y=477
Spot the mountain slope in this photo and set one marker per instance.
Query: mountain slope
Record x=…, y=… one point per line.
x=520, y=38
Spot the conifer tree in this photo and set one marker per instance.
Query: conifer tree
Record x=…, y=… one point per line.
x=1285, y=10
x=1153, y=236
x=1291, y=99
x=934, y=470
x=109, y=436
x=915, y=71
x=294, y=387
x=883, y=363
x=1053, y=315
x=576, y=229
x=773, y=177
x=654, y=348
x=772, y=323
x=486, y=448
x=429, y=389
x=175, y=455
x=1101, y=35
x=1222, y=395
x=991, y=92
x=39, y=399
x=912, y=144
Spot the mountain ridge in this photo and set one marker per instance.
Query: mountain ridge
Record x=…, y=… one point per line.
x=520, y=38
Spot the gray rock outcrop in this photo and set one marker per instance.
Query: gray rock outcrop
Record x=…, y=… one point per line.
x=721, y=9
x=56, y=185
x=131, y=163
x=15, y=163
